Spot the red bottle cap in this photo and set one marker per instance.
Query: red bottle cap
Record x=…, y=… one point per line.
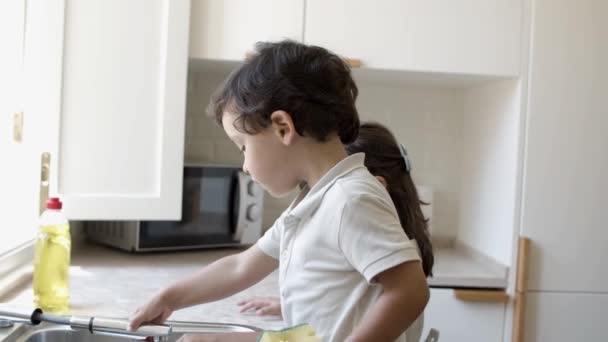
x=53, y=203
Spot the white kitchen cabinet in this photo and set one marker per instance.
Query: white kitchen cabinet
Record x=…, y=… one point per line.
x=12, y=19
x=565, y=187
x=458, y=320
x=471, y=37
x=566, y=317
x=20, y=161
x=228, y=29
x=108, y=81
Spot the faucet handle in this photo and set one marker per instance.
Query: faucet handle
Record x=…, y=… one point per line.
x=117, y=326
x=21, y=316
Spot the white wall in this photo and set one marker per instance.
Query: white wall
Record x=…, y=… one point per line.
x=491, y=124
x=206, y=141
x=427, y=120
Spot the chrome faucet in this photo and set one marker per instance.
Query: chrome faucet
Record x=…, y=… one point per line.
x=115, y=326
x=94, y=325
x=5, y=323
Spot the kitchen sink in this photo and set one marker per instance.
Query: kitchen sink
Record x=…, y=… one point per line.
x=58, y=333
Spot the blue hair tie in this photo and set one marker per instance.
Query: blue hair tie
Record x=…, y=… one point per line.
x=406, y=159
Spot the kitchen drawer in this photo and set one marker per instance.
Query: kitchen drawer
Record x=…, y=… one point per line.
x=464, y=319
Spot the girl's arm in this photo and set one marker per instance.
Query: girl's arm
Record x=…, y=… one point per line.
x=404, y=297
x=262, y=306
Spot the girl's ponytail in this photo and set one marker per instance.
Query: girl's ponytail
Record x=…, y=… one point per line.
x=386, y=158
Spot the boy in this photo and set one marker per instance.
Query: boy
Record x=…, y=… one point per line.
x=345, y=264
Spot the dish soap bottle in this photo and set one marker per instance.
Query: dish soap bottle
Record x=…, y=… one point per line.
x=52, y=259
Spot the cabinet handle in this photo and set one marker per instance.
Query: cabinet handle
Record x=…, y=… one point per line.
x=18, y=127
x=45, y=178
x=521, y=284
x=486, y=296
x=522, y=264
x=353, y=62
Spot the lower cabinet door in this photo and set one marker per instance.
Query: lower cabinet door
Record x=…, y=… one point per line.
x=461, y=320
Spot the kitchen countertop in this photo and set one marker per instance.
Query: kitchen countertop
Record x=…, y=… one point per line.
x=462, y=267
x=111, y=283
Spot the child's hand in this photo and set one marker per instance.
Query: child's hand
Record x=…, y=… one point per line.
x=262, y=306
x=156, y=311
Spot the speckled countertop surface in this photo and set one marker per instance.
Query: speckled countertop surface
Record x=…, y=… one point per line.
x=111, y=283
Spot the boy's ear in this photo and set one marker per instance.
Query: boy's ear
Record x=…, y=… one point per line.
x=283, y=126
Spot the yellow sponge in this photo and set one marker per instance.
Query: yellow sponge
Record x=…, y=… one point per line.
x=300, y=333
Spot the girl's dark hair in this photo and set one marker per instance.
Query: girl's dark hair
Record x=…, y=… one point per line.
x=310, y=83
x=383, y=158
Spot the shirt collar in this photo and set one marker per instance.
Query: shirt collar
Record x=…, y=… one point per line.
x=309, y=199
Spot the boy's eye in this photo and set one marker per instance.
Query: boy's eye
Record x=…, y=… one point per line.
x=243, y=149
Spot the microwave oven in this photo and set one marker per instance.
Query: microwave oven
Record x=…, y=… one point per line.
x=221, y=207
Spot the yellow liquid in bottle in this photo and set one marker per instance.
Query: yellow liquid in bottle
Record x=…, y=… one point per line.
x=51, y=268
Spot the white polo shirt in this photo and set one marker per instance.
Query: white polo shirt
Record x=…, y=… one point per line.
x=331, y=243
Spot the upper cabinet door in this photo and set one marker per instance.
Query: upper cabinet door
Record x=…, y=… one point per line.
x=467, y=36
x=20, y=172
x=228, y=29
x=565, y=184
x=112, y=87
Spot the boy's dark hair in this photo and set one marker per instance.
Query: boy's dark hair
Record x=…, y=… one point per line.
x=383, y=158
x=310, y=83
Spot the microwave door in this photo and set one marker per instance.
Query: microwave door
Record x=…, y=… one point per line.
x=239, y=194
x=248, y=204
